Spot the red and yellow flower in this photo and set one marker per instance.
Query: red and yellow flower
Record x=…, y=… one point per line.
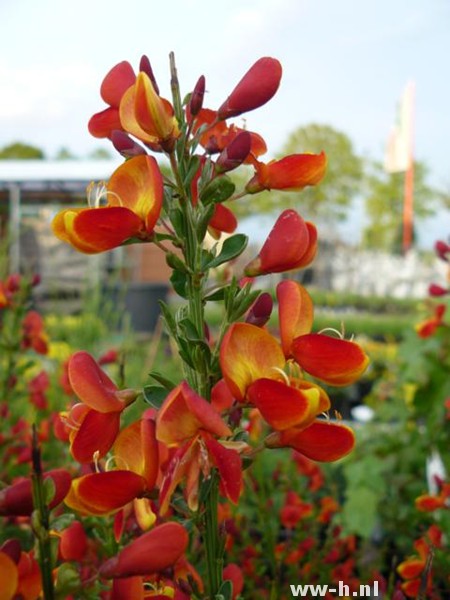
x=137, y=458
x=134, y=196
x=253, y=363
x=189, y=425
x=94, y=423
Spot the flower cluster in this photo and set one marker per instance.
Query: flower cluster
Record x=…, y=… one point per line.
x=244, y=389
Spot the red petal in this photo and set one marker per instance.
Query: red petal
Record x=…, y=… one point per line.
x=229, y=465
x=105, y=228
x=183, y=414
x=152, y=552
x=296, y=312
x=128, y=588
x=96, y=433
x=223, y=219
x=91, y=384
x=104, y=493
x=411, y=568
x=321, y=441
x=334, y=361
x=102, y=124
x=17, y=499
x=280, y=405
x=116, y=82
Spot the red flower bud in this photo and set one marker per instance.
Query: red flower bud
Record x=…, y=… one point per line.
x=291, y=244
x=260, y=311
x=235, y=153
x=17, y=499
x=152, y=552
x=146, y=67
x=442, y=249
x=257, y=87
x=196, y=101
x=124, y=144
x=437, y=290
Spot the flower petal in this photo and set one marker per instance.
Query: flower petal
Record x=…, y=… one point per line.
x=292, y=173
x=152, y=552
x=335, y=361
x=103, y=123
x=96, y=434
x=248, y=353
x=9, y=576
x=295, y=311
x=321, y=441
x=137, y=448
x=281, y=405
x=91, y=384
x=138, y=186
x=183, y=414
x=104, y=493
x=229, y=464
x=116, y=82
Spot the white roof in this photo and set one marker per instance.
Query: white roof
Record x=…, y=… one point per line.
x=17, y=171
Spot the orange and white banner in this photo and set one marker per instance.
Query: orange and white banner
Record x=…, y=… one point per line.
x=399, y=151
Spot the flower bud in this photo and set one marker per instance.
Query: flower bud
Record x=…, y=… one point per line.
x=437, y=290
x=235, y=153
x=260, y=311
x=442, y=249
x=146, y=67
x=291, y=244
x=152, y=552
x=124, y=144
x=196, y=101
x=257, y=87
x=17, y=499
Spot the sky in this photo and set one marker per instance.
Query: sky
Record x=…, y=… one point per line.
x=345, y=64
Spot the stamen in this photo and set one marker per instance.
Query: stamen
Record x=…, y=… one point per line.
x=95, y=459
x=282, y=373
x=340, y=334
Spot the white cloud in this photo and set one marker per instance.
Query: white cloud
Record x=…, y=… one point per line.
x=44, y=91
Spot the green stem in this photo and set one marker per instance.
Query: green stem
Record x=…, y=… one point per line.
x=41, y=521
x=214, y=559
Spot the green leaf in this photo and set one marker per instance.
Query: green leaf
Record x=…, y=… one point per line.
x=177, y=220
x=168, y=318
x=178, y=280
x=192, y=170
x=203, y=222
x=218, y=190
x=155, y=395
x=231, y=248
x=49, y=490
x=68, y=579
x=216, y=296
x=175, y=262
x=190, y=330
x=167, y=383
x=243, y=304
x=225, y=591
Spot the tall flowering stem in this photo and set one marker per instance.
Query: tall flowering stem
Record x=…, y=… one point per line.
x=188, y=451
x=41, y=519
